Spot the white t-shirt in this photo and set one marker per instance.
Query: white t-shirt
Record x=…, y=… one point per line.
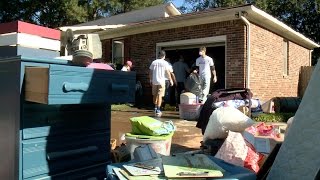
x=170, y=70
x=159, y=68
x=204, y=65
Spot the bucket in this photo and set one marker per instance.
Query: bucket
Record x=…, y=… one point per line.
x=190, y=111
x=161, y=144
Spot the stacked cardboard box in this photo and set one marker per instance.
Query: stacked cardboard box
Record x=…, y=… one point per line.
x=25, y=39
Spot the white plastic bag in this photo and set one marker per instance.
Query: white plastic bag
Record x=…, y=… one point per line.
x=224, y=119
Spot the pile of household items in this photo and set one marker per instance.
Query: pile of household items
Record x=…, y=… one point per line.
x=233, y=144
x=149, y=146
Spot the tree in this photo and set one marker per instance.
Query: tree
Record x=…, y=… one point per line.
x=122, y=6
x=55, y=13
x=199, y=5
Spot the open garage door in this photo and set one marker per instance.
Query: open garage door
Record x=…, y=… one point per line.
x=191, y=54
x=189, y=49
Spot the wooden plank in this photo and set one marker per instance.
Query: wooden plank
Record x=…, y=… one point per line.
x=9, y=51
x=305, y=75
x=23, y=27
x=37, y=84
x=28, y=40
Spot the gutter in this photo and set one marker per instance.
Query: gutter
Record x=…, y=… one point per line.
x=248, y=47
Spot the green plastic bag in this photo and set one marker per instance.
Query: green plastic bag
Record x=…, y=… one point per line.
x=145, y=125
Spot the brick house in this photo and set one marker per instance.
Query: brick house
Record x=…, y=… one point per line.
x=251, y=48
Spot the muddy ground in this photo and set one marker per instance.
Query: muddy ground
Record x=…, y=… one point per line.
x=186, y=138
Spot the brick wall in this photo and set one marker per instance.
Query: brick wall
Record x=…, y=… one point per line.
x=143, y=49
x=267, y=79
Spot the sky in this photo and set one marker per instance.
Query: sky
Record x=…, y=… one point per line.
x=178, y=3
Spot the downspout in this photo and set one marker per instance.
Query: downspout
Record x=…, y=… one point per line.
x=248, y=47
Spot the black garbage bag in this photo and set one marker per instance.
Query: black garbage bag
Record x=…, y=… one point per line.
x=193, y=84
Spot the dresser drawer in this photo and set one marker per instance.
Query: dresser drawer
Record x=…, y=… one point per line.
x=96, y=172
x=53, y=156
x=75, y=85
x=55, y=120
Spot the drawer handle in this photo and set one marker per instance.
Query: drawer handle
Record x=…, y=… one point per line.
x=75, y=86
x=57, y=155
x=119, y=87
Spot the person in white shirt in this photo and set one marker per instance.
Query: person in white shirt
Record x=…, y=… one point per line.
x=127, y=66
x=158, y=71
x=206, y=68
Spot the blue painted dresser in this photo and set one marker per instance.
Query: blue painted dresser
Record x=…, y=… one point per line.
x=55, y=118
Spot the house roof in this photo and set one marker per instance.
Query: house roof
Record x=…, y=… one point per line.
x=253, y=14
x=146, y=14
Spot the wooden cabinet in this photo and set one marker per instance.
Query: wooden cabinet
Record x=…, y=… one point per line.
x=55, y=118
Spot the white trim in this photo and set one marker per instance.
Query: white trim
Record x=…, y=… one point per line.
x=225, y=65
x=253, y=14
x=28, y=40
x=198, y=41
x=173, y=9
x=187, y=42
x=191, y=46
x=310, y=57
x=95, y=27
x=248, y=49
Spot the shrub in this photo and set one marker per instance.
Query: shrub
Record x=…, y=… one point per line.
x=273, y=117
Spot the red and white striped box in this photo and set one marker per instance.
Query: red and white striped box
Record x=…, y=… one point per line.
x=32, y=29
x=29, y=40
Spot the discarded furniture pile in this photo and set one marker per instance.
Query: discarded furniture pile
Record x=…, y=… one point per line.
x=54, y=115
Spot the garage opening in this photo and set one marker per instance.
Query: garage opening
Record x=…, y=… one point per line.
x=190, y=54
x=189, y=49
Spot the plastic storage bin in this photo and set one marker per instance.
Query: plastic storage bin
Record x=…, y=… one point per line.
x=160, y=144
x=188, y=98
x=190, y=111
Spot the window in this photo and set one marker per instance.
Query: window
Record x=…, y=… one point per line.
x=118, y=51
x=285, y=58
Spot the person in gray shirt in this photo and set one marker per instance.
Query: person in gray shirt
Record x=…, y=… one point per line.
x=180, y=70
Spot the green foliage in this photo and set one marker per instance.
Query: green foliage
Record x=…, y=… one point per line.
x=122, y=6
x=270, y=117
x=120, y=107
x=55, y=13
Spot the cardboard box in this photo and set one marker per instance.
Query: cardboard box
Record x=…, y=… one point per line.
x=262, y=144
